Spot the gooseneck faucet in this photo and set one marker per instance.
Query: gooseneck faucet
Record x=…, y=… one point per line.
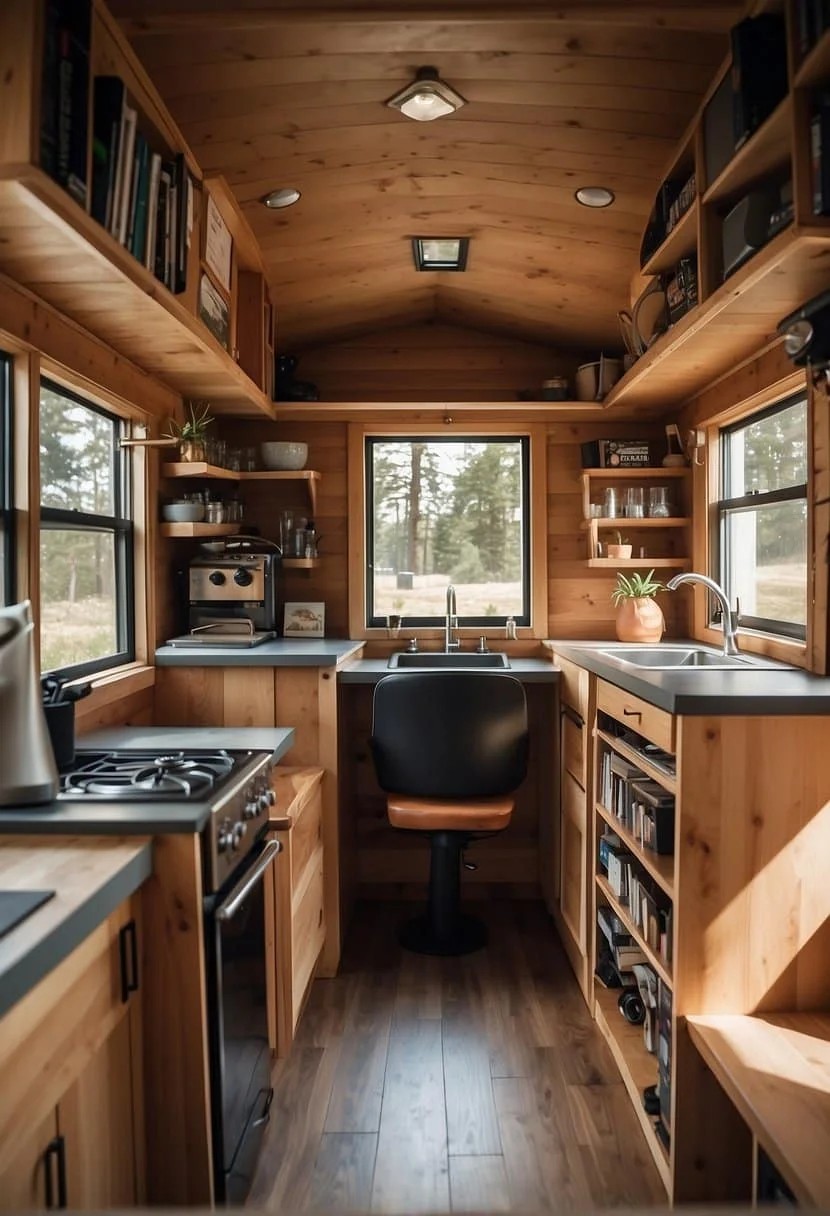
x=729, y=618
x=450, y=642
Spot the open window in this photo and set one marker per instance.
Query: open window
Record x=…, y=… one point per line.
x=86, y=537
x=762, y=519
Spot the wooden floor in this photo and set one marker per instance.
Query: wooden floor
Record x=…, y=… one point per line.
x=439, y=1085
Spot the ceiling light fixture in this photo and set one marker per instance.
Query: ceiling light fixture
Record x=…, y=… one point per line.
x=427, y=97
x=440, y=252
x=286, y=196
x=594, y=196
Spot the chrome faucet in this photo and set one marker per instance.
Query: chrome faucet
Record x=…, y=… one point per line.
x=450, y=642
x=729, y=618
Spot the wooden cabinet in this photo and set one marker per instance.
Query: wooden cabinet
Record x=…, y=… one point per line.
x=568, y=901
x=296, y=898
x=71, y=1104
x=665, y=541
x=101, y=284
x=744, y=824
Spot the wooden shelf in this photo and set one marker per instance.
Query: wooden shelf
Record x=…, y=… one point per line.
x=205, y=530
x=354, y=411
x=69, y=260
x=638, y=1068
x=681, y=241
x=765, y=151
x=634, y=474
x=815, y=66
x=197, y=468
x=631, y=754
x=301, y=563
x=621, y=910
x=633, y=525
x=639, y=563
x=661, y=868
x=729, y=326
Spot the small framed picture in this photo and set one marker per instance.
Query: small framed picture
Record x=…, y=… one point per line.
x=304, y=621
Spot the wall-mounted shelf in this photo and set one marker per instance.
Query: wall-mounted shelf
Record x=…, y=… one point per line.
x=193, y=469
x=631, y=524
x=301, y=563
x=648, y=474
x=639, y=563
x=681, y=241
x=767, y=150
x=193, y=530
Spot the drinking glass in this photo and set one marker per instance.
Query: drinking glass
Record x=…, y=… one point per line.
x=610, y=503
x=286, y=531
x=635, y=502
x=250, y=460
x=658, y=502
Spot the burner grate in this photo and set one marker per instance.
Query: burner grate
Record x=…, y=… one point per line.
x=148, y=775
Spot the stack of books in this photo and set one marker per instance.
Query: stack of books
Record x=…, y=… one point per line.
x=144, y=198
x=652, y=814
x=648, y=906
x=624, y=950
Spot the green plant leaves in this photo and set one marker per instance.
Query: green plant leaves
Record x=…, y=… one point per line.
x=638, y=586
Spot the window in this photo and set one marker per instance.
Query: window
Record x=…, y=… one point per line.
x=762, y=519
x=86, y=537
x=443, y=511
x=7, y=587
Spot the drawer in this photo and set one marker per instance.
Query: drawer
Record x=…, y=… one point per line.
x=306, y=837
x=308, y=932
x=573, y=685
x=654, y=724
x=573, y=748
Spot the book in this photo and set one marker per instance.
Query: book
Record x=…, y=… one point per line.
x=152, y=212
x=126, y=156
x=64, y=123
x=182, y=223
x=162, y=225
x=820, y=154
x=107, y=114
x=138, y=222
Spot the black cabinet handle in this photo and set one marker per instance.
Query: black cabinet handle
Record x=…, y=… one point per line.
x=55, y=1152
x=631, y=713
x=572, y=716
x=128, y=949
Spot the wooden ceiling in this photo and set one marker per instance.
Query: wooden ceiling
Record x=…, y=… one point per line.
x=559, y=96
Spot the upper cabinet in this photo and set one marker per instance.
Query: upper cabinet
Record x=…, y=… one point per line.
x=105, y=215
x=754, y=226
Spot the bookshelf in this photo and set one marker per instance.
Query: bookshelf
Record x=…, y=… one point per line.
x=667, y=538
x=51, y=243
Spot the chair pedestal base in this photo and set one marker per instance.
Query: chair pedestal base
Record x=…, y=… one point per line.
x=443, y=930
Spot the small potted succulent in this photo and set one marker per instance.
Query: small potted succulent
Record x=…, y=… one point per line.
x=622, y=548
x=639, y=616
x=193, y=432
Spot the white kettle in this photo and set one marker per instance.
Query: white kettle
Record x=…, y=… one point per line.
x=28, y=774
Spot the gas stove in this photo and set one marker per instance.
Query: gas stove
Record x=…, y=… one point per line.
x=234, y=785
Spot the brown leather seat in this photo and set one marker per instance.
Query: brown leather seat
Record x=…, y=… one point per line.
x=450, y=815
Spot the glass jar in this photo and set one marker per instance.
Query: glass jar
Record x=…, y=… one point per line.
x=635, y=502
x=658, y=502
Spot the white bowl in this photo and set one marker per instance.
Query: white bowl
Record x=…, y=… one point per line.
x=183, y=512
x=281, y=455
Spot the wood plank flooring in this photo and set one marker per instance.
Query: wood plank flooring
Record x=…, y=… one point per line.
x=451, y=1085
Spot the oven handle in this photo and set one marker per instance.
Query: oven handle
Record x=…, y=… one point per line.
x=241, y=892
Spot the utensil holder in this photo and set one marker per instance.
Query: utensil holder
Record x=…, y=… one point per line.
x=60, y=720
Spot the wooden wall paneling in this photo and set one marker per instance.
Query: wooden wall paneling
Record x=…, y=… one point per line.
x=818, y=600
x=296, y=703
x=179, y=1153
x=117, y=706
x=247, y=696
x=189, y=696
x=20, y=33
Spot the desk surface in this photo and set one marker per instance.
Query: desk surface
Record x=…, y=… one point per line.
x=776, y=1070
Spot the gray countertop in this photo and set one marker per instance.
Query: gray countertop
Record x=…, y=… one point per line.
x=762, y=691
x=141, y=818
x=529, y=671
x=90, y=878
x=282, y=652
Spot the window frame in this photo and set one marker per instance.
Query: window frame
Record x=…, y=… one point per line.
x=789, y=631
x=121, y=524
x=7, y=514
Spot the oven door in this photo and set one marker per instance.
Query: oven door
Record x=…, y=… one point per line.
x=238, y=1016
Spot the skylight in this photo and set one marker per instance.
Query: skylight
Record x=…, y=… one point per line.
x=440, y=252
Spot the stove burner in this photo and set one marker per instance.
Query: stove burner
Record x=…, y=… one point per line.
x=142, y=775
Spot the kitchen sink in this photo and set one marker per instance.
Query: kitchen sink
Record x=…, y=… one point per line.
x=443, y=658
x=688, y=658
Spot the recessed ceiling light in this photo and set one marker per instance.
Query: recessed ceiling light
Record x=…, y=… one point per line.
x=440, y=252
x=594, y=196
x=284, y=197
x=427, y=97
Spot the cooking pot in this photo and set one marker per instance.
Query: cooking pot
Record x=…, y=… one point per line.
x=594, y=380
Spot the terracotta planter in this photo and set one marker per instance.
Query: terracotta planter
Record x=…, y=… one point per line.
x=640, y=620
x=620, y=550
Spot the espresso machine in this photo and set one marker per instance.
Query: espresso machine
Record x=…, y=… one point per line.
x=232, y=596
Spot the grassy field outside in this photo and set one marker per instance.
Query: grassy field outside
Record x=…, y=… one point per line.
x=428, y=597
x=76, y=633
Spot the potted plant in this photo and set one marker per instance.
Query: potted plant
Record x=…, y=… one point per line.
x=622, y=548
x=639, y=616
x=192, y=433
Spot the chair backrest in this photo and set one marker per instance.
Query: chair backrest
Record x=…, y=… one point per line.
x=450, y=734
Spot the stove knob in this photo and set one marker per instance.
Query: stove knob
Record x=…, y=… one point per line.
x=271, y=796
x=243, y=578
x=263, y=801
x=236, y=836
x=224, y=840
x=216, y=577
x=251, y=809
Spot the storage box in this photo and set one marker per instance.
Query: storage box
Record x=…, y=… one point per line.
x=615, y=454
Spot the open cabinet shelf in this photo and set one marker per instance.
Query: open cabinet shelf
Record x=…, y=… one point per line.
x=621, y=910
x=639, y=563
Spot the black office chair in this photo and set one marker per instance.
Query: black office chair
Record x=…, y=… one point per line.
x=450, y=748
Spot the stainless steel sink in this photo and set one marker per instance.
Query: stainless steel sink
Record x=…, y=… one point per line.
x=687, y=658
x=443, y=658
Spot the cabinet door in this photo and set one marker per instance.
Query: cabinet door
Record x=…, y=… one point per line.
x=96, y=1117
x=573, y=892
x=23, y=1178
